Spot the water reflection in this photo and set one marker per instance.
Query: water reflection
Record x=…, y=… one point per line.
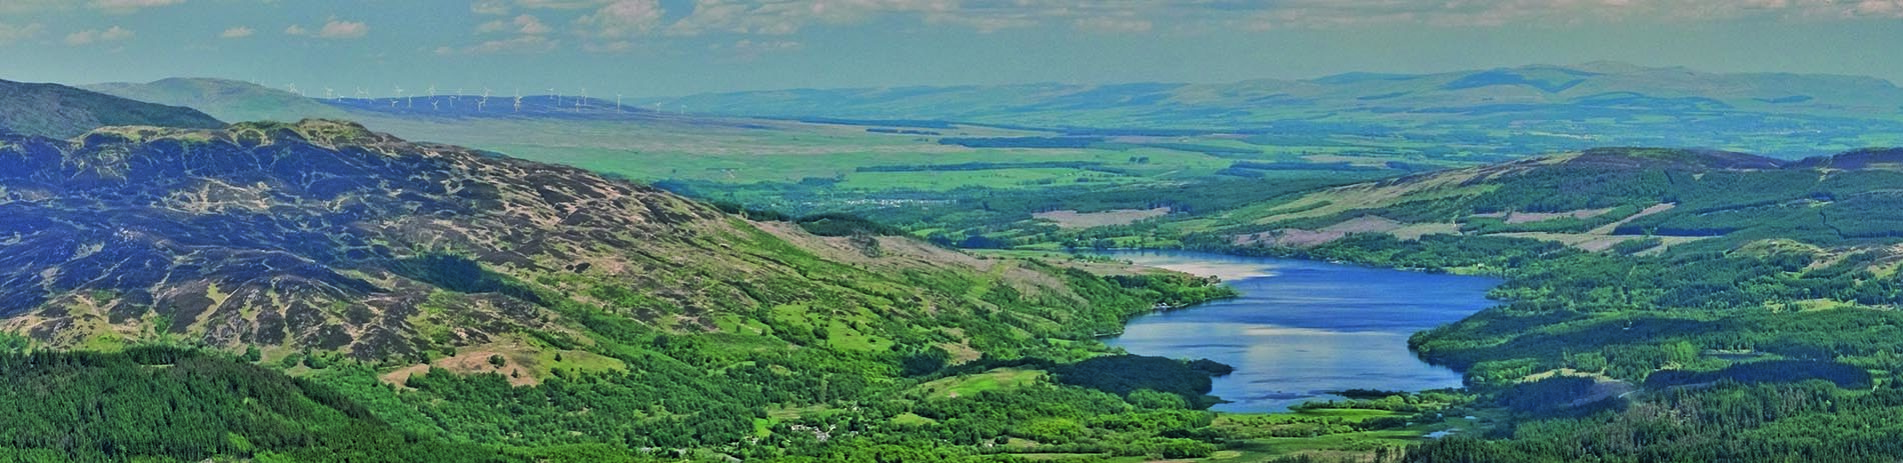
x=1302, y=328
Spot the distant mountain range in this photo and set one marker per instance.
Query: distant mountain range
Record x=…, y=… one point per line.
x=1509, y=111
x=244, y=101
x=1526, y=109
x=59, y=111
x=1610, y=88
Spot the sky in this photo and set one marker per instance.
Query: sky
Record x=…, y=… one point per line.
x=677, y=47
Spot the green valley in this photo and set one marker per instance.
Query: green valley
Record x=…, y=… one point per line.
x=966, y=231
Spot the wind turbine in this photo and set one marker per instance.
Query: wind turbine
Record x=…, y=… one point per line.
x=558, y=96
x=330, y=93
x=293, y=89
x=617, y=102
x=361, y=94
x=584, y=97
x=399, y=96
x=518, y=100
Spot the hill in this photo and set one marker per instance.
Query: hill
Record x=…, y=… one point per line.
x=59, y=111
x=230, y=100
x=323, y=235
x=245, y=101
x=1523, y=109
x=462, y=295
x=1602, y=199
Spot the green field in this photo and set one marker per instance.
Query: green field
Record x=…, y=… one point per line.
x=994, y=380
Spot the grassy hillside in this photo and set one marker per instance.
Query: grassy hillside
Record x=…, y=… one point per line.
x=61, y=112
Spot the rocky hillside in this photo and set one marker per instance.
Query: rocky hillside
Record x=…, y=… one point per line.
x=322, y=235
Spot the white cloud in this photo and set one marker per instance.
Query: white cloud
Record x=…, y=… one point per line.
x=332, y=29
x=561, y=4
x=237, y=33
x=750, y=46
x=782, y=17
x=984, y=24
x=1113, y=25
x=20, y=7
x=522, y=44
x=92, y=36
x=623, y=18
x=1490, y=13
x=1880, y=8
x=749, y=49
x=530, y=37
x=335, y=29
x=614, y=46
x=10, y=33
x=489, y=7
x=524, y=24
x=129, y=6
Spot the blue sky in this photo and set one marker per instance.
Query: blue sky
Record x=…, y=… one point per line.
x=672, y=47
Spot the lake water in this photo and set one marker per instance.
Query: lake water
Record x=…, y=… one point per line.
x=1302, y=328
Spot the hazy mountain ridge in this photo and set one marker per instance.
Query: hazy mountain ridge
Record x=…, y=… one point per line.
x=59, y=111
x=1597, y=84
x=1523, y=110
x=245, y=101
